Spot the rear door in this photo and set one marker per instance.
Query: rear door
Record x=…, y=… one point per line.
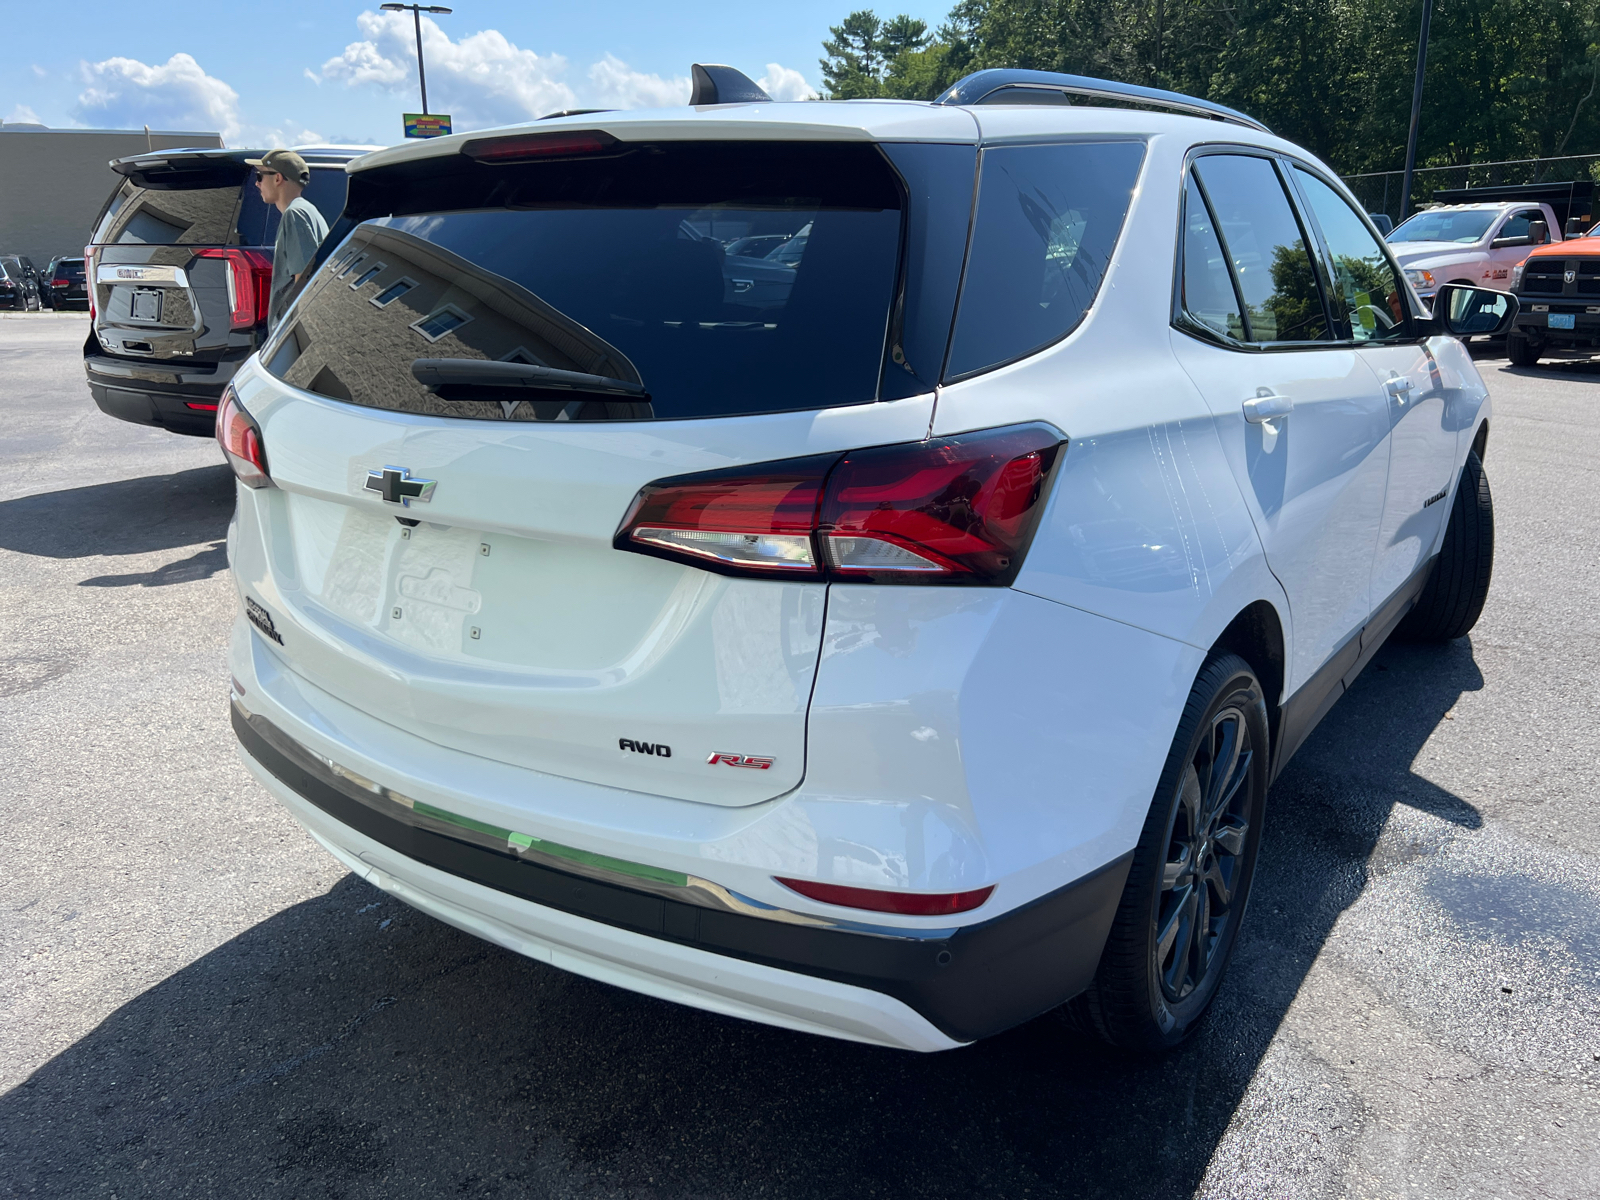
x=158, y=292
x=1372, y=312
x=487, y=610
x=1303, y=423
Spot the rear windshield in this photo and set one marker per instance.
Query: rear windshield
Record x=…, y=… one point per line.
x=219, y=206
x=70, y=268
x=673, y=280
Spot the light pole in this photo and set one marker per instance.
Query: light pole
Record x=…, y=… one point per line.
x=416, y=17
x=1416, y=108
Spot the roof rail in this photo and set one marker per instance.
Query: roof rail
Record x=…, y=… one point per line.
x=988, y=87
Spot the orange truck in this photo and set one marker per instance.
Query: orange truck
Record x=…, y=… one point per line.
x=1559, y=288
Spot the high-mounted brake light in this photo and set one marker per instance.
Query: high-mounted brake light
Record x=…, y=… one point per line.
x=958, y=510
x=910, y=904
x=534, y=147
x=249, y=284
x=240, y=439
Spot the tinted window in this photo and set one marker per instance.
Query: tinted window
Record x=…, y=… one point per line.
x=1208, y=295
x=70, y=268
x=169, y=216
x=1362, y=275
x=1048, y=218
x=1264, y=244
x=642, y=271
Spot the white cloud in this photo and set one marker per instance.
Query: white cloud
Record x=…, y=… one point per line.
x=613, y=84
x=781, y=83
x=483, y=79
x=40, y=71
x=178, y=94
x=23, y=115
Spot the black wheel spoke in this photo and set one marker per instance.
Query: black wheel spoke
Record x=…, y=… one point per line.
x=1217, y=886
x=1224, y=762
x=1229, y=837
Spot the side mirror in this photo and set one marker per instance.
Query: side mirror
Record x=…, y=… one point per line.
x=1464, y=311
x=1538, y=232
x=1384, y=223
x=1576, y=227
x=1503, y=243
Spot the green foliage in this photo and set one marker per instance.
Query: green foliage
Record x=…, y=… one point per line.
x=1506, y=78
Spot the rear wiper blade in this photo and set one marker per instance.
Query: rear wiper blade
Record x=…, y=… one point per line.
x=436, y=373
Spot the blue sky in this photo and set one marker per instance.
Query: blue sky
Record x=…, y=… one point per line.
x=286, y=72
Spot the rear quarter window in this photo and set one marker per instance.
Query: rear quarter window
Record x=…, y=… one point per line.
x=1047, y=222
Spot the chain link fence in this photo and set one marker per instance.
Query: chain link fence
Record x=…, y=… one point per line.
x=1379, y=191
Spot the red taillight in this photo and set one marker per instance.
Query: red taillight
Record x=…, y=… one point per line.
x=532, y=147
x=911, y=904
x=952, y=510
x=249, y=284
x=240, y=439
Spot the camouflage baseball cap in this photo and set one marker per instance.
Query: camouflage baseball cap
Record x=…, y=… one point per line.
x=283, y=162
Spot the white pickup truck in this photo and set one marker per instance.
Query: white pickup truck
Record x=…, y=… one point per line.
x=1477, y=244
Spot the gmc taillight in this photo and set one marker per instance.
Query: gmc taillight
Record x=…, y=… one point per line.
x=240, y=439
x=249, y=284
x=956, y=510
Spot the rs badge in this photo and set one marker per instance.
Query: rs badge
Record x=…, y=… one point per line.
x=740, y=760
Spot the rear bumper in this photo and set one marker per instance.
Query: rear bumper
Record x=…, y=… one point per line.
x=918, y=989
x=182, y=399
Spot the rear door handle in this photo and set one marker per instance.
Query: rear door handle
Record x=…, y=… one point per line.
x=1263, y=408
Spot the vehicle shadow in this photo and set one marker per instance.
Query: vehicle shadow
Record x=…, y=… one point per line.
x=349, y=1046
x=125, y=516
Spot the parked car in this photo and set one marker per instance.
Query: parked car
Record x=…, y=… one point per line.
x=19, y=283
x=180, y=263
x=1475, y=244
x=898, y=660
x=1559, y=287
x=64, y=285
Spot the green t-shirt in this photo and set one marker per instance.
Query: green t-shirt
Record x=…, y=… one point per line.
x=300, y=232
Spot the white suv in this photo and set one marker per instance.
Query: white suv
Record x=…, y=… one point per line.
x=888, y=629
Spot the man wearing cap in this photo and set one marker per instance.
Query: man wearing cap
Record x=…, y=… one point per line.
x=281, y=177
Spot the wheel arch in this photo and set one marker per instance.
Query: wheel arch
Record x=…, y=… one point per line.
x=1480, y=440
x=1256, y=635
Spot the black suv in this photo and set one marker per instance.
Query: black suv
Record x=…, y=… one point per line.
x=19, y=283
x=180, y=270
x=62, y=285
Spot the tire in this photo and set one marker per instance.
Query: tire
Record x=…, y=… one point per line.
x=1175, y=930
x=1453, y=597
x=1521, y=350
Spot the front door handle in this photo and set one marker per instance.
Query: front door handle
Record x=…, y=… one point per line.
x=1399, y=387
x=1264, y=407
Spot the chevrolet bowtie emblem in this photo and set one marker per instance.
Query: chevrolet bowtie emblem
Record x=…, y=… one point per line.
x=396, y=486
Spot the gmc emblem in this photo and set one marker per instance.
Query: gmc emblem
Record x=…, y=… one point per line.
x=740, y=760
x=655, y=748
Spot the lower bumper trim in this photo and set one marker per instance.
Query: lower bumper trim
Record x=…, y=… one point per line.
x=968, y=982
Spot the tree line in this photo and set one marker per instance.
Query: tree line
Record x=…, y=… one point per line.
x=1506, y=79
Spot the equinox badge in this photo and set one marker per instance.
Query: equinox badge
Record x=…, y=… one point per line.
x=396, y=486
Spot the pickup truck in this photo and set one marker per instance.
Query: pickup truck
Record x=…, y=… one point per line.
x=1477, y=244
x=1559, y=290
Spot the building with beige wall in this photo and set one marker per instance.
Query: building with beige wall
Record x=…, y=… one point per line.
x=54, y=181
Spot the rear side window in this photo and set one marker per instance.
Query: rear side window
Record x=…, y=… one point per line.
x=1264, y=244
x=1047, y=221
x=669, y=281
x=170, y=216
x=1209, y=299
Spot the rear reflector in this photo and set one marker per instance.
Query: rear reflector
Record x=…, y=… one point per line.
x=249, y=284
x=956, y=510
x=535, y=147
x=200, y=407
x=910, y=904
x=240, y=438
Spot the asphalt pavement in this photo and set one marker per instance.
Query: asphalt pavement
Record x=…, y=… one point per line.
x=195, y=1000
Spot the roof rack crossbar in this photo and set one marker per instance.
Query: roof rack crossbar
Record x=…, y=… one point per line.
x=980, y=85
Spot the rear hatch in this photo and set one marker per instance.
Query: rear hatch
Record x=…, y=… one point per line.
x=465, y=401
x=181, y=255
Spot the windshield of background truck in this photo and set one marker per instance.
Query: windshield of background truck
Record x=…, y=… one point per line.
x=692, y=280
x=1465, y=227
